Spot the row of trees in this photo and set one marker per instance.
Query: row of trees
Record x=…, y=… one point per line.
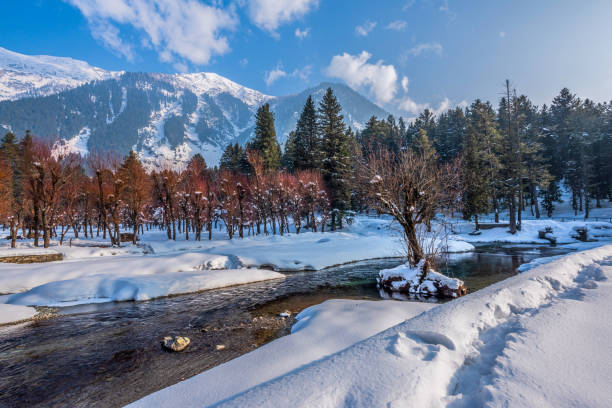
x=44, y=193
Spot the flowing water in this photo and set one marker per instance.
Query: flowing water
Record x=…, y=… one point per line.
x=109, y=354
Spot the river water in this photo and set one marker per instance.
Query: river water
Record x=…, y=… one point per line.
x=109, y=354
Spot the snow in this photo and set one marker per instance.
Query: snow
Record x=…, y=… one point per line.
x=410, y=277
x=563, y=231
x=536, y=339
x=350, y=321
x=214, y=84
x=10, y=252
x=40, y=75
x=122, y=286
x=76, y=145
x=14, y=313
x=23, y=277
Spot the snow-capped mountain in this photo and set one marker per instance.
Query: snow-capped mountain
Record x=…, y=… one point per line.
x=40, y=75
x=163, y=117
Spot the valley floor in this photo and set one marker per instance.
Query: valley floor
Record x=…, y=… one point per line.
x=94, y=272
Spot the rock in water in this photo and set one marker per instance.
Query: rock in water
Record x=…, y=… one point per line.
x=176, y=343
x=409, y=279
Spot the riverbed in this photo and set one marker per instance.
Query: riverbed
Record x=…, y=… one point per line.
x=109, y=354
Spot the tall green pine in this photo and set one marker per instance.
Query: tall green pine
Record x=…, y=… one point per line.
x=337, y=167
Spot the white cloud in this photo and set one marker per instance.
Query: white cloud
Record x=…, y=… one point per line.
x=357, y=72
x=434, y=47
x=408, y=105
x=405, y=83
x=398, y=25
x=270, y=14
x=108, y=34
x=244, y=62
x=502, y=34
x=278, y=73
x=303, y=73
x=381, y=82
x=364, y=29
x=274, y=75
x=178, y=30
x=301, y=34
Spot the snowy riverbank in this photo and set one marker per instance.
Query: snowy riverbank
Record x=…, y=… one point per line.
x=536, y=339
x=157, y=267
x=94, y=272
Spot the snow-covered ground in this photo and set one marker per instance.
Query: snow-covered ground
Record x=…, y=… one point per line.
x=320, y=331
x=15, y=313
x=528, y=234
x=92, y=272
x=540, y=338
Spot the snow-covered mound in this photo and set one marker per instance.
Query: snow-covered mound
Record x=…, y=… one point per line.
x=15, y=313
x=122, y=287
x=39, y=75
x=408, y=279
x=320, y=331
x=540, y=338
x=23, y=277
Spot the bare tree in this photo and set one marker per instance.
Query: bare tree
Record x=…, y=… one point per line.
x=410, y=188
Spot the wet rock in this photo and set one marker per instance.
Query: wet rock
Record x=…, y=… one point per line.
x=220, y=347
x=175, y=343
x=286, y=313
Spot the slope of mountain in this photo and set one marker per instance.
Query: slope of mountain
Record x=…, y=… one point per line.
x=164, y=117
x=40, y=75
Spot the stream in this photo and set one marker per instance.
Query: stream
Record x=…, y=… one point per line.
x=109, y=354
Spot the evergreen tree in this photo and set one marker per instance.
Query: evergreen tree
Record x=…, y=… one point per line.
x=336, y=156
x=306, y=145
x=265, y=142
x=422, y=145
x=234, y=159
x=481, y=166
x=449, y=134
x=289, y=156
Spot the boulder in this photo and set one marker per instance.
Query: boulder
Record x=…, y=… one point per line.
x=175, y=343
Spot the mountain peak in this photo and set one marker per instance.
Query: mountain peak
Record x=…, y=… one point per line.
x=41, y=75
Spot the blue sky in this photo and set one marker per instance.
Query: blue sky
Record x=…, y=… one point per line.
x=405, y=54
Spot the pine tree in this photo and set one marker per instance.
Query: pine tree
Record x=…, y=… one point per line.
x=481, y=166
x=422, y=146
x=336, y=156
x=265, y=142
x=449, y=134
x=535, y=165
x=288, y=160
x=306, y=146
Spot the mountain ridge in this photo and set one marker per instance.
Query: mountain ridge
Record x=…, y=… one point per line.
x=163, y=117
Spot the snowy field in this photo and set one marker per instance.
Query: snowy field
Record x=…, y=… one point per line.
x=92, y=271
x=537, y=339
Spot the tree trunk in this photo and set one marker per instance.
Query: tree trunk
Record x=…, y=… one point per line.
x=13, y=232
x=512, y=211
x=415, y=252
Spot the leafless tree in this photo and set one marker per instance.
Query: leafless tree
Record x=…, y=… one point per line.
x=410, y=188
